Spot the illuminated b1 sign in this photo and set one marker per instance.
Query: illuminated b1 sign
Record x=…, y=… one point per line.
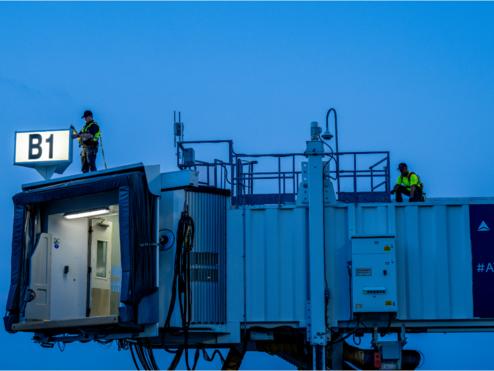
x=47, y=151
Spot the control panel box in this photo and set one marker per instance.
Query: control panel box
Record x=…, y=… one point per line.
x=374, y=282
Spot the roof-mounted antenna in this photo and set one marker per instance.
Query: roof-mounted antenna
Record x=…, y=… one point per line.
x=178, y=128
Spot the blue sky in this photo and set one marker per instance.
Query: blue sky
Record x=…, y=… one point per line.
x=412, y=78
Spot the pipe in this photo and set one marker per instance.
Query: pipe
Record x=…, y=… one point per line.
x=336, y=143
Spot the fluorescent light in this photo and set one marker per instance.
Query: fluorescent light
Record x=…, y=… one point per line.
x=86, y=214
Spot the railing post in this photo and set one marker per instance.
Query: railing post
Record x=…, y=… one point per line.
x=387, y=173
x=251, y=173
x=293, y=177
x=239, y=180
x=215, y=172
x=372, y=179
x=279, y=180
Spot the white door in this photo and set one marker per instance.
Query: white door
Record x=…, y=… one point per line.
x=69, y=267
x=38, y=308
x=100, y=285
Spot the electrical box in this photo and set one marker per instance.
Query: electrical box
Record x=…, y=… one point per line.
x=374, y=286
x=189, y=156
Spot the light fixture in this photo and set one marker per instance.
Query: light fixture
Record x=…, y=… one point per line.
x=87, y=213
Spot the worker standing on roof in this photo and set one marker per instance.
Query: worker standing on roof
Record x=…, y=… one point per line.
x=89, y=138
x=408, y=184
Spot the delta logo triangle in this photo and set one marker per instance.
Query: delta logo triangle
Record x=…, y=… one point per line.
x=483, y=227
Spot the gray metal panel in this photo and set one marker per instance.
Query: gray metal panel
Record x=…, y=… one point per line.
x=434, y=262
x=208, y=257
x=267, y=250
x=433, y=256
x=275, y=262
x=338, y=257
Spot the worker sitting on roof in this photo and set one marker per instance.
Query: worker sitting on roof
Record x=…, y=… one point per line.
x=408, y=184
x=88, y=141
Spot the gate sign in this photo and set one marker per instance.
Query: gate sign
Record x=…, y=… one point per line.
x=47, y=151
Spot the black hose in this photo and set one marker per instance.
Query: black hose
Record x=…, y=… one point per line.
x=210, y=358
x=134, y=357
x=142, y=357
x=131, y=348
x=181, y=283
x=346, y=336
x=151, y=358
x=196, y=359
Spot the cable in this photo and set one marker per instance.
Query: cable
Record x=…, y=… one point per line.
x=386, y=330
x=152, y=359
x=422, y=359
x=344, y=337
x=61, y=346
x=136, y=364
x=210, y=358
x=331, y=151
x=354, y=338
x=181, y=283
x=196, y=359
x=103, y=150
x=170, y=350
x=141, y=357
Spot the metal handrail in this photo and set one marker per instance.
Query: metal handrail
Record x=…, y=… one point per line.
x=243, y=176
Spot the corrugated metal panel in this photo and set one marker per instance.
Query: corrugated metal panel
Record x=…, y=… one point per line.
x=338, y=257
x=434, y=262
x=268, y=247
x=433, y=257
x=275, y=262
x=208, y=257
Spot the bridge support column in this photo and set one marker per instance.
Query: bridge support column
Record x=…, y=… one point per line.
x=316, y=309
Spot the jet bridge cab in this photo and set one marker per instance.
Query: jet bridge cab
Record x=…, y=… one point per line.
x=84, y=254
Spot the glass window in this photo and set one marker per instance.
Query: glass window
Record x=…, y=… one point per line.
x=101, y=249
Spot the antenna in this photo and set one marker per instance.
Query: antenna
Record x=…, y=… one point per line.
x=178, y=128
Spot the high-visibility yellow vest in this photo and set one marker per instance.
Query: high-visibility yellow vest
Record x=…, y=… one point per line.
x=410, y=180
x=85, y=129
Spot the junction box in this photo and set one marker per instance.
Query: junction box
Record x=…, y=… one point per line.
x=374, y=274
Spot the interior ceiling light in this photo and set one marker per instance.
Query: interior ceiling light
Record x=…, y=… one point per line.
x=87, y=214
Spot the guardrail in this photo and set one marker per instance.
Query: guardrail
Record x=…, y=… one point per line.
x=275, y=177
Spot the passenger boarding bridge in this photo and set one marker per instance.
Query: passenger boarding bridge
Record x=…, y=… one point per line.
x=290, y=254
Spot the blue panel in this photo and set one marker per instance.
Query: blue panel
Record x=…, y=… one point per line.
x=148, y=312
x=16, y=261
x=482, y=237
x=123, y=216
